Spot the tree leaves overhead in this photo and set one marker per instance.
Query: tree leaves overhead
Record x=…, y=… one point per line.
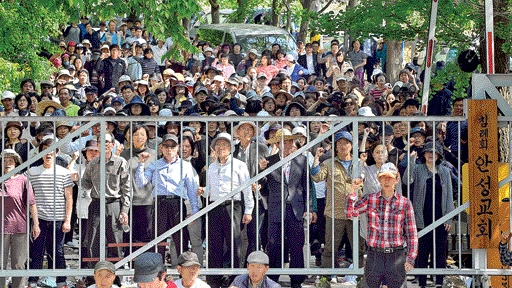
x=28, y=26
x=403, y=20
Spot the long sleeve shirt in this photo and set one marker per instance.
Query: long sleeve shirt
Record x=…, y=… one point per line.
x=117, y=180
x=391, y=221
x=338, y=184
x=505, y=255
x=169, y=179
x=224, y=178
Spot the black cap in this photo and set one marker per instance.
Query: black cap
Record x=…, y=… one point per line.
x=91, y=89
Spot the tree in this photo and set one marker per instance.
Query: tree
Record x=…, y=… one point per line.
x=402, y=20
x=28, y=26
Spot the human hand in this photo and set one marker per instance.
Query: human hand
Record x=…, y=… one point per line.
x=200, y=191
x=247, y=218
x=505, y=237
x=356, y=183
x=314, y=217
x=35, y=231
x=319, y=152
x=414, y=154
x=408, y=267
x=447, y=227
x=143, y=156
x=363, y=157
x=66, y=226
x=256, y=187
x=123, y=218
x=263, y=163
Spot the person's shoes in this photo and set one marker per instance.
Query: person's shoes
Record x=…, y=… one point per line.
x=32, y=285
x=71, y=244
x=334, y=280
x=318, y=262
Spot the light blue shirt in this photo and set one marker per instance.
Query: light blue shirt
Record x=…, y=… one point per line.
x=169, y=179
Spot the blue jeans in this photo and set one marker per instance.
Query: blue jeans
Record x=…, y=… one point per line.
x=45, y=242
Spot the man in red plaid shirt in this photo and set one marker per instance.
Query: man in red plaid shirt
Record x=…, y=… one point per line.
x=392, y=236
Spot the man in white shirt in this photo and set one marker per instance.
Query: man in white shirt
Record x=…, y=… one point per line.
x=226, y=174
x=158, y=52
x=189, y=267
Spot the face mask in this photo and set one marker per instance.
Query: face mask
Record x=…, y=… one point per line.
x=65, y=63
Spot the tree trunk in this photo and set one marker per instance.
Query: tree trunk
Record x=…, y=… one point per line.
x=241, y=12
x=307, y=5
x=393, y=59
x=275, y=13
x=503, y=133
x=501, y=20
x=347, y=39
x=215, y=11
x=186, y=24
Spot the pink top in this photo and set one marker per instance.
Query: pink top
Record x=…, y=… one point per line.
x=16, y=210
x=270, y=70
x=280, y=64
x=226, y=70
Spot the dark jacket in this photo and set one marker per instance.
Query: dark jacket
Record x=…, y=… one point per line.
x=441, y=103
x=296, y=188
x=304, y=62
x=111, y=69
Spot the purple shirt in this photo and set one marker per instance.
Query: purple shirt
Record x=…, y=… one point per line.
x=16, y=210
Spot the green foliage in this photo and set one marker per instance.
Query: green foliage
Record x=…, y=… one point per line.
x=401, y=20
x=453, y=72
x=214, y=37
x=27, y=27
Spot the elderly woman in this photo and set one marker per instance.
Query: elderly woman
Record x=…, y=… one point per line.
x=18, y=200
x=137, y=107
x=142, y=210
x=13, y=139
x=432, y=199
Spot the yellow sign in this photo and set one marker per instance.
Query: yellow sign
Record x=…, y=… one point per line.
x=483, y=173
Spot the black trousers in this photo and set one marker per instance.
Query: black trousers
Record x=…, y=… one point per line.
x=169, y=213
x=294, y=242
x=224, y=225
x=388, y=267
x=426, y=243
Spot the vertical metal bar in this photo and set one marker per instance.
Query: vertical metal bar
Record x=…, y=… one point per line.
x=434, y=172
x=283, y=200
x=103, y=162
x=355, y=174
x=232, y=202
x=55, y=200
x=334, y=247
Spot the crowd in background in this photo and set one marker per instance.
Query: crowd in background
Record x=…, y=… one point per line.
x=159, y=173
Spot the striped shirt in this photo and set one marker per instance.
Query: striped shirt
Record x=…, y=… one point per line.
x=390, y=222
x=49, y=190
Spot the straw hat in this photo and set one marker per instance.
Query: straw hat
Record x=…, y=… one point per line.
x=282, y=134
x=41, y=106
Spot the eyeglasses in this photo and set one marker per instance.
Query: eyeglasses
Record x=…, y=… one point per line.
x=152, y=104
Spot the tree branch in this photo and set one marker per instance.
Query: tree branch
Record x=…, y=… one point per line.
x=325, y=7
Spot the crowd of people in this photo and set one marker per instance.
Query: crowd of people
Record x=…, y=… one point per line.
x=156, y=174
